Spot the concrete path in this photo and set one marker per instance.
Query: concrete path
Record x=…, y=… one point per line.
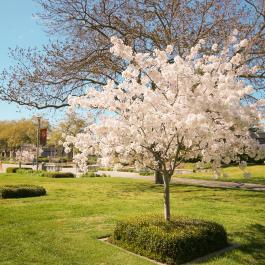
x=4, y=166
x=187, y=181
x=219, y=184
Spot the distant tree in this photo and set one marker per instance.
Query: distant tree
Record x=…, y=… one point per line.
x=25, y=156
x=70, y=125
x=21, y=132
x=15, y=134
x=4, y=137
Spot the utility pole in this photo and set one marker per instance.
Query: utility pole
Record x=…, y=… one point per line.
x=38, y=143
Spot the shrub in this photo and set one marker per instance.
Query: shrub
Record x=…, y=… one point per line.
x=93, y=174
x=146, y=173
x=63, y=159
x=11, y=169
x=15, y=169
x=89, y=174
x=21, y=191
x=126, y=170
x=174, y=242
x=43, y=159
x=57, y=174
x=105, y=168
x=24, y=171
x=92, y=160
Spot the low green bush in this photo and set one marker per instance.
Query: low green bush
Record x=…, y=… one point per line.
x=146, y=173
x=24, y=171
x=11, y=169
x=57, y=174
x=92, y=160
x=43, y=159
x=21, y=191
x=64, y=159
x=174, y=242
x=93, y=174
x=126, y=170
x=89, y=174
x=15, y=169
x=105, y=169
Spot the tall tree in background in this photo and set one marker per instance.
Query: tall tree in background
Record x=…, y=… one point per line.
x=45, y=77
x=72, y=124
x=15, y=134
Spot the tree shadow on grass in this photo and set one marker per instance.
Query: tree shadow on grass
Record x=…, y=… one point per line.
x=252, y=194
x=142, y=187
x=149, y=187
x=254, y=244
x=235, y=189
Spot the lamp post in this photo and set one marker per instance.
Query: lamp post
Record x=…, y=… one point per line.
x=38, y=143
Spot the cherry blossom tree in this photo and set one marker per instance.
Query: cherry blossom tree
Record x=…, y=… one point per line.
x=25, y=156
x=168, y=108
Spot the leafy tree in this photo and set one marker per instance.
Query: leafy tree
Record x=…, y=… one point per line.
x=3, y=137
x=72, y=124
x=14, y=134
x=21, y=132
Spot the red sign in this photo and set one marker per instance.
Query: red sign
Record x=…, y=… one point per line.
x=43, y=136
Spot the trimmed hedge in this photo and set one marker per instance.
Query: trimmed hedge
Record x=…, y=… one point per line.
x=21, y=191
x=175, y=242
x=15, y=169
x=25, y=171
x=57, y=174
x=93, y=174
x=146, y=173
x=43, y=159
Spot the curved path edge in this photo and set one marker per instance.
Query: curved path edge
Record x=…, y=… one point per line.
x=188, y=181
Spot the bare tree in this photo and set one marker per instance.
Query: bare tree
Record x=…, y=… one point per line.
x=44, y=78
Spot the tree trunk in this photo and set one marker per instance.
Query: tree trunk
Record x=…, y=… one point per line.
x=158, y=177
x=20, y=158
x=166, y=198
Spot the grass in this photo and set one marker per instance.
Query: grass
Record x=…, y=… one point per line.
x=62, y=227
x=234, y=174
x=187, y=165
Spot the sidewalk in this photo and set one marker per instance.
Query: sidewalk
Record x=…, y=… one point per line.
x=219, y=184
x=187, y=181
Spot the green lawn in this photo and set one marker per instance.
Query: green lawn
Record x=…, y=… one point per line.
x=62, y=227
x=233, y=174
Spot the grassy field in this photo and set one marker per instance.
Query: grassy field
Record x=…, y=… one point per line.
x=233, y=174
x=62, y=227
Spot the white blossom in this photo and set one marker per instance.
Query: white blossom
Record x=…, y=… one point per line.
x=243, y=43
x=235, y=32
x=178, y=110
x=236, y=59
x=215, y=47
x=169, y=49
x=26, y=156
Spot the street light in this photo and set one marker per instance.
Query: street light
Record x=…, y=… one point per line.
x=38, y=142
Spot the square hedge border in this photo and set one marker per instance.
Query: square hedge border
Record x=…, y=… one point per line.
x=175, y=242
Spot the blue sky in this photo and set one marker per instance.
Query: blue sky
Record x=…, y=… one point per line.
x=18, y=27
